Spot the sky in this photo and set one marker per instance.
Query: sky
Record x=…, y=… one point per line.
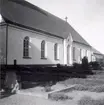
x=85, y=16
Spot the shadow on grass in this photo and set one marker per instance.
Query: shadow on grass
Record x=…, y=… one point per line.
x=47, y=77
x=5, y=95
x=32, y=75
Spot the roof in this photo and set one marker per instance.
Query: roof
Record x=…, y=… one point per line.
x=23, y=13
x=96, y=51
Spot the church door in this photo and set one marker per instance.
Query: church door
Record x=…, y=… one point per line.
x=68, y=54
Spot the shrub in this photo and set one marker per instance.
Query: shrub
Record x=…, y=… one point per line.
x=58, y=65
x=86, y=100
x=47, y=86
x=76, y=65
x=85, y=63
x=47, y=89
x=101, y=62
x=95, y=65
x=58, y=96
x=98, y=89
x=80, y=87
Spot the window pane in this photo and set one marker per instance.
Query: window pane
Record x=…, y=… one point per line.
x=73, y=53
x=43, y=49
x=26, y=47
x=56, y=51
x=80, y=54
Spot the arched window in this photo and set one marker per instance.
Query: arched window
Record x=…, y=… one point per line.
x=26, y=47
x=68, y=54
x=43, y=49
x=74, y=53
x=86, y=53
x=56, y=55
x=80, y=54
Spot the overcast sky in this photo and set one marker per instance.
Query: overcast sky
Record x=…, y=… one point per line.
x=85, y=16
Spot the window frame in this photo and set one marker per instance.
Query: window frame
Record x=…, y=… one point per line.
x=74, y=54
x=26, y=43
x=68, y=54
x=43, y=49
x=56, y=51
x=80, y=54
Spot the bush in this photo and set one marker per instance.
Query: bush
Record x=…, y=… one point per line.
x=58, y=65
x=98, y=89
x=47, y=89
x=85, y=63
x=86, y=100
x=80, y=87
x=95, y=65
x=101, y=62
x=58, y=96
x=76, y=66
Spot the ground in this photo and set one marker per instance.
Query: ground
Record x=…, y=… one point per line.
x=31, y=100
x=91, y=81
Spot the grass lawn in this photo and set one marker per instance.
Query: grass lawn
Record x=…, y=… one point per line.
x=93, y=83
x=94, y=80
x=94, y=86
x=85, y=100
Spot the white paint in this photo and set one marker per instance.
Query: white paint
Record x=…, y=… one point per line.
x=15, y=47
x=2, y=44
x=58, y=51
x=1, y=19
x=84, y=48
x=69, y=42
x=86, y=16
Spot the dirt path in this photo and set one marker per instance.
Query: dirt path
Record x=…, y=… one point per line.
x=31, y=100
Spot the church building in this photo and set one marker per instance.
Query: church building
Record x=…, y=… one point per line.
x=30, y=35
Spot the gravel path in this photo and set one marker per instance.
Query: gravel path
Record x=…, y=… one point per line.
x=19, y=99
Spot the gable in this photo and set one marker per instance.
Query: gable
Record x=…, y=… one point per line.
x=1, y=19
x=20, y=12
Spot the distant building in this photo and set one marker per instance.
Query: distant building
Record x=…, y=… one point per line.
x=32, y=36
x=98, y=56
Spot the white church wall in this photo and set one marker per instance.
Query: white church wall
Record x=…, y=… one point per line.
x=83, y=48
x=68, y=42
x=1, y=19
x=65, y=52
x=3, y=44
x=15, y=47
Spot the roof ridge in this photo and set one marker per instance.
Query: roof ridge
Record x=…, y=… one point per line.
x=29, y=5
x=32, y=6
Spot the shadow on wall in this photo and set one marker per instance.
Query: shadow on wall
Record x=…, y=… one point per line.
x=36, y=56
x=36, y=71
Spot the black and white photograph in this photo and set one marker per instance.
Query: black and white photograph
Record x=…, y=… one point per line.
x=51, y=52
